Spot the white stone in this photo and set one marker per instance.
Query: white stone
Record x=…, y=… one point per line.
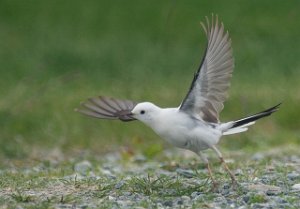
x=264, y=188
x=296, y=187
x=83, y=167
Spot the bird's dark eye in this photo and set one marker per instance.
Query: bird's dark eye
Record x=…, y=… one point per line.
x=142, y=112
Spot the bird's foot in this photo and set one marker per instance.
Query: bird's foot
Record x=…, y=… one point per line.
x=215, y=187
x=234, y=185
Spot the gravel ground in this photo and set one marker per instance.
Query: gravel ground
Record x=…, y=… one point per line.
x=266, y=180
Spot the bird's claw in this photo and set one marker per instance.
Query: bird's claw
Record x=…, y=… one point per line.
x=215, y=187
x=234, y=185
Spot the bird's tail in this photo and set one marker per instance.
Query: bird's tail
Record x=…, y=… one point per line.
x=242, y=125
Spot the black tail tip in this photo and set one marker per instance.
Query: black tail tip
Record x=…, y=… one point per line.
x=274, y=109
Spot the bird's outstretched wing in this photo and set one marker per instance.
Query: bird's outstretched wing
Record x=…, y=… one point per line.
x=209, y=88
x=107, y=108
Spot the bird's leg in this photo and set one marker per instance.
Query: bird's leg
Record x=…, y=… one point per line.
x=234, y=182
x=215, y=183
x=205, y=160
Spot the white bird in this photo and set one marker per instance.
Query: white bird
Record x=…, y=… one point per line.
x=194, y=125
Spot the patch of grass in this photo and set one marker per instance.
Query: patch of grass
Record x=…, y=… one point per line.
x=257, y=198
x=19, y=197
x=104, y=188
x=292, y=200
x=32, y=188
x=162, y=186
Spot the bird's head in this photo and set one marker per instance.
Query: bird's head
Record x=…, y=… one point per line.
x=145, y=112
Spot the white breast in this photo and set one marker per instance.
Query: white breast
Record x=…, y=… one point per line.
x=183, y=131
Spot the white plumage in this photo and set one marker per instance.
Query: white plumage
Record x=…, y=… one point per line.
x=195, y=124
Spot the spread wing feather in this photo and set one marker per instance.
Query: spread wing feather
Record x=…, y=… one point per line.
x=209, y=87
x=107, y=108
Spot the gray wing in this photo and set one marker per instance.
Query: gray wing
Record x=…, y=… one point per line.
x=107, y=108
x=209, y=88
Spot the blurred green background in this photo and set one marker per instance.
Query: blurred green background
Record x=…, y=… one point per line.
x=55, y=54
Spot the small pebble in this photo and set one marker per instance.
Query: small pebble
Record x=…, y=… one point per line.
x=273, y=192
x=195, y=194
x=264, y=188
x=257, y=156
x=238, y=172
x=295, y=159
x=261, y=205
x=139, y=158
x=225, y=192
x=226, y=186
x=185, y=173
x=119, y=184
x=280, y=200
x=265, y=179
x=83, y=206
x=246, y=198
x=186, y=200
x=179, y=202
x=83, y=167
x=124, y=203
x=168, y=203
x=220, y=199
x=293, y=176
x=111, y=198
x=296, y=187
x=127, y=193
